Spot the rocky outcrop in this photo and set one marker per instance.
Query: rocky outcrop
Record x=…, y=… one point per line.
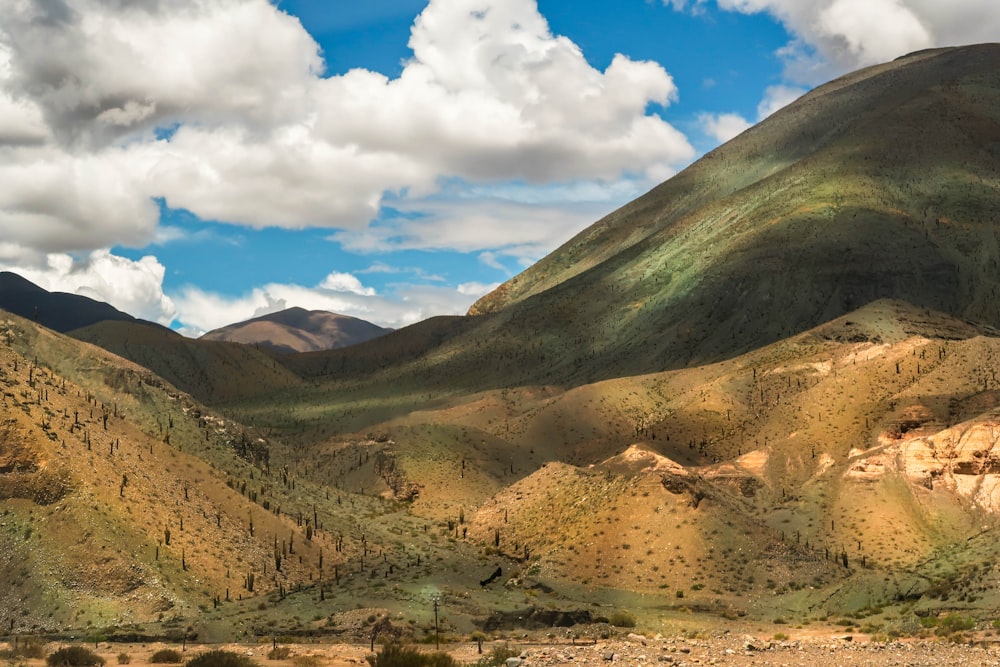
x=963, y=459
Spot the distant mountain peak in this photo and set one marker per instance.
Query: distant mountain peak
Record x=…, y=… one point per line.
x=296, y=329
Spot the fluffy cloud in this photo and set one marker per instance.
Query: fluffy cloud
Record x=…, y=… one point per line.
x=498, y=226
x=345, y=282
x=724, y=126
x=223, y=108
x=778, y=97
x=102, y=70
x=343, y=293
x=220, y=108
x=831, y=37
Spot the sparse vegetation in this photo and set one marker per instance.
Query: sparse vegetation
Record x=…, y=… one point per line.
x=497, y=657
x=221, y=658
x=394, y=654
x=74, y=656
x=167, y=656
x=798, y=466
x=621, y=619
x=27, y=648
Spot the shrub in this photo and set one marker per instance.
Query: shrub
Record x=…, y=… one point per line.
x=220, y=658
x=279, y=653
x=124, y=658
x=497, y=657
x=306, y=661
x=74, y=656
x=167, y=655
x=397, y=655
x=622, y=619
x=952, y=623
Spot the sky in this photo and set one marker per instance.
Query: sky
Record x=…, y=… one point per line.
x=201, y=162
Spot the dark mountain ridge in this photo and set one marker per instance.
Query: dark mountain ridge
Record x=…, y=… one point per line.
x=59, y=311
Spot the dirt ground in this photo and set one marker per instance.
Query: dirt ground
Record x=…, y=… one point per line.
x=812, y=649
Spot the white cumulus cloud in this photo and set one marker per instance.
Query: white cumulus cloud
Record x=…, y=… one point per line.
x=724, y=126
x=222, y=108
x=777, y=97
x=831, y=37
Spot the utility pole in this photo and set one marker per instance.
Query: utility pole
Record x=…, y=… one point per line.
x=437, y=635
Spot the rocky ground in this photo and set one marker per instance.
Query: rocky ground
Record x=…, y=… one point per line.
x=746, y=650
x=633, y=650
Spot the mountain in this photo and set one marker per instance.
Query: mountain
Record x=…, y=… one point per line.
x=774, y=373
x=880, y=184
x=299, y=330
x=56, y=310
x=121, y=496
x=211, y=371
x=130, y=510
x=763, y=395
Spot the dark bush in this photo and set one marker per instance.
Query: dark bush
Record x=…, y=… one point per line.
x=74, y=656
x=220, y=658
x=397, y=655
x=622, y=619
x=167, y=655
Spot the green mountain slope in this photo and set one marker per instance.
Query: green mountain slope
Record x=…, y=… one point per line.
x=880, y=184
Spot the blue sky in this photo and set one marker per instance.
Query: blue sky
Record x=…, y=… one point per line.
x=394, y=159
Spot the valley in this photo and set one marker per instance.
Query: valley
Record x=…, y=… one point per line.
x=762, y=397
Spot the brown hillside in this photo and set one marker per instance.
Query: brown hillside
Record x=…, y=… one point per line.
x=299, y=330
x=212, y=371
x=746, y=484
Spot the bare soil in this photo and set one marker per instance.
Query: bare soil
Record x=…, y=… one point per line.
x=813, y=648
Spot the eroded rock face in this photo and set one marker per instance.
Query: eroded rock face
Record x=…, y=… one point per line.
x=963, y=459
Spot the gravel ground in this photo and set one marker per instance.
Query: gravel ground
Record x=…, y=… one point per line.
x=745, y=650
x=635, y=650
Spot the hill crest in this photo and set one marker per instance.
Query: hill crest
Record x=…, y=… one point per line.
x=60, y=311
x=299, y=330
